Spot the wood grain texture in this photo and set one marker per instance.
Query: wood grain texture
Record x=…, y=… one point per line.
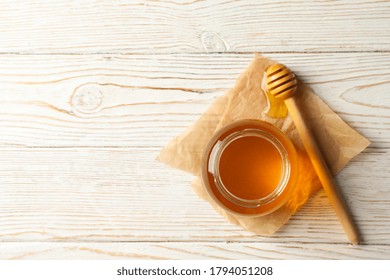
x=91, y=90
x=190, y=250
x=128, y=26
x=126, y=100
x=92, y=122
x=100, y=195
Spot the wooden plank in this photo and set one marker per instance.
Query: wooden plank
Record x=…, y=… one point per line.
x=124, y=26
x=101, y=195
x=190, y=250
x=126, y=100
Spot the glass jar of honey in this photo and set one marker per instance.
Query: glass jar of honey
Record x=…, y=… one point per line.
x=250, y=168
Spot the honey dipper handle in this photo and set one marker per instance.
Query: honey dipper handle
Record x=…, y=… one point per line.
x=323, y=171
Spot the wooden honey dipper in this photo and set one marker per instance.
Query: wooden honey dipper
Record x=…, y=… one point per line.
x=282, y=84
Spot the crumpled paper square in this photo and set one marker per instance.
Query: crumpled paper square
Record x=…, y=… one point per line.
x=247, y=100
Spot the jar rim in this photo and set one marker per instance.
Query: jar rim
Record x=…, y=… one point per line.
x=214, y=164
x=276, y=199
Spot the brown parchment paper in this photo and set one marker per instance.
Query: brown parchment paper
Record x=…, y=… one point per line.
x=247, y=100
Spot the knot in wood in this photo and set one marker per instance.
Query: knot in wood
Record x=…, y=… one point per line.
x=87, y=99
x=212, y=42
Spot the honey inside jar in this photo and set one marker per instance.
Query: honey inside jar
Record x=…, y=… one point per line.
x=250, y=167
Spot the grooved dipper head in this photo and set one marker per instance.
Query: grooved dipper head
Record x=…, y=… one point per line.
x=281, y=82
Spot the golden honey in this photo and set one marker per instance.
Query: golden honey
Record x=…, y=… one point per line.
x=250, y=167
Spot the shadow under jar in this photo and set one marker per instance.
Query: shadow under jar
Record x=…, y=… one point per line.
x=250, y=167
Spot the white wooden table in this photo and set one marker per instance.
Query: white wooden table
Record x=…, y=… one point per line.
x=91, y=90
